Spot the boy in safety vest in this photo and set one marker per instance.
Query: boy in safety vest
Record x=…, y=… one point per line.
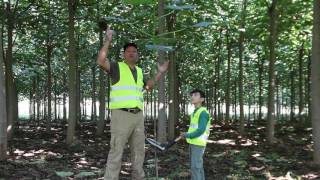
x=198, y=134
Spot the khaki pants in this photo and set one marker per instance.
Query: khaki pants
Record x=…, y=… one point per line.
x=126, y=127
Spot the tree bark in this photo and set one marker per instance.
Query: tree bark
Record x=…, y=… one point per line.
x=11, y=96
x=102, y=92
x=228, y=78
x=241, y=49
x=301, y=98
x=173, y=85
x=272, y=57
x=3, y=111
x=72, y=74
x=261, y=75
x=49, y=81
x=315, y=82
x=162, y=117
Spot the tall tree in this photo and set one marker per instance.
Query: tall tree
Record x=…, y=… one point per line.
x=173, y=84
x=102, y=89
x=228, y=76
x=162, y=117
x=272, y=57
x=12, y=99
x=3, y=112
x=241, y=48
x=72, y=73
x=315, y=81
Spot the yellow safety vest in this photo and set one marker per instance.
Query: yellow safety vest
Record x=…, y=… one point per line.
x=202, y=139
x=127, y=93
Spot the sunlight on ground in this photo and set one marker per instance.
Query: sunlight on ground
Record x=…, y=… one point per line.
x=225, y=142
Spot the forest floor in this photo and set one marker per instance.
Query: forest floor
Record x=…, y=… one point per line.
x=39, y=154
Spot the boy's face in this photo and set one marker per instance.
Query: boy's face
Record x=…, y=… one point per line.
x=196, y=98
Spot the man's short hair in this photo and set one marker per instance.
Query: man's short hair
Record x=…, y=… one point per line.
x=129, y=45
x=202, y=95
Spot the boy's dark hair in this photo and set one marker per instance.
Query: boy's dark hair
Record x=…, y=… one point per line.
x=129, y=45
x=202, y=95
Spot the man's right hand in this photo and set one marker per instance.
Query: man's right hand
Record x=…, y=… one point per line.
x=108, y=35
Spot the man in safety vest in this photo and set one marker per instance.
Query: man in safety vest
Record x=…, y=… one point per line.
x=126, y=103
x=198, y=134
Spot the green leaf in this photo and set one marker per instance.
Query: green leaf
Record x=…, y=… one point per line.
x=63, y=173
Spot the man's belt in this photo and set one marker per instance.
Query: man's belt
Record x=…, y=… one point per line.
x=131, y=110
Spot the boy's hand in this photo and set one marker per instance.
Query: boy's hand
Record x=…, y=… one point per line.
x=183, y=135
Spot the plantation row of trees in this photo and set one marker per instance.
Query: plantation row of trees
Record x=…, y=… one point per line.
x=256, y=54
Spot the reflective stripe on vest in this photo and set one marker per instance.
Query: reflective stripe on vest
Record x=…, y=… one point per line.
x=202, y=139
x=127, y=93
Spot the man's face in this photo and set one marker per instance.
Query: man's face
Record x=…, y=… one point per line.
x=131, y=54
x=196, y=98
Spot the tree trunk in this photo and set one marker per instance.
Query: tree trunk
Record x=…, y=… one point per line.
x=228, y=78
x=272, y=57
x=64, y=100
x=218, y=91
x=261, y=75
x=162, y=117
x=11, y=96
x=93, y=106
x=55, y=98
x=173, y=85
x=241, y=47
x=72, y=74
x=301, y=98
x=292, y=95
x=38, y=97
x=49, y=81
x=102, y=93
x=3, y=111
x=309, y=89
x=34, y=88
x=315, y=82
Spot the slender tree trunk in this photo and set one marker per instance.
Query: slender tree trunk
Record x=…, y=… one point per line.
x=162, y=117
x=38, y=97
x=260, y=74
x=235, y=99
x=64, y=100
x=11, y=96
x=34, y=88
x=315, y=82
x=49, y=82
x=241, y=49
x=3, y=111
x=292, y=95
x=78, y=79
x=55, y=98
x=228, y=78
x=218, y=91
x=173, y=85
x=93, y=106
x=272, y=57
x=301, y=98
x=102, y=92
x=72, y=74
x=309, y=89
x=278, y=97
